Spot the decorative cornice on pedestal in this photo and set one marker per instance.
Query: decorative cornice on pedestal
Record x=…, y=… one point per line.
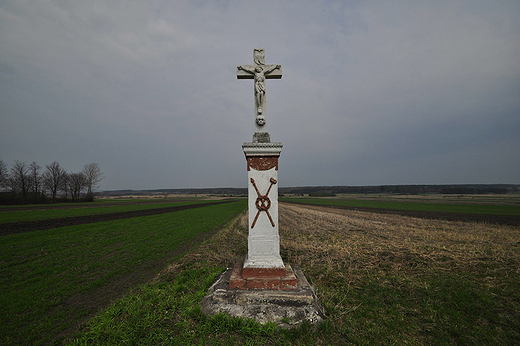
x=262, y=149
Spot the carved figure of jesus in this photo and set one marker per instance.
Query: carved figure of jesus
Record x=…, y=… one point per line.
x=259, y=73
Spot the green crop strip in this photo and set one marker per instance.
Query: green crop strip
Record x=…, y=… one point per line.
x=42, y=273
x=7, y=215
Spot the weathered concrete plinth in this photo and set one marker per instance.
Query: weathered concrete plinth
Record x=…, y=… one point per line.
x=293, y=306
x=263, y=278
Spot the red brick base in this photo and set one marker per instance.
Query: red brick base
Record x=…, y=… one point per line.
x=263, y=278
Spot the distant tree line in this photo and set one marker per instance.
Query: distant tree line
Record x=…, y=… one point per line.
x=29, y=183
x=403, y=189
x=330, y=191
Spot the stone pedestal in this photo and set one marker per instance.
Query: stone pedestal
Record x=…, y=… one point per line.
x=262, y=175
x=263, y=287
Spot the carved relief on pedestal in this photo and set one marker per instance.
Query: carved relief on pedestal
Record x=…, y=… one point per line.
x=263, y=203
x=262, y=163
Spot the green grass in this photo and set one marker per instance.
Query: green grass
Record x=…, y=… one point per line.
x=169, y=313
x=96, y=203
x=7, y=215
x=417, y=206
x=445, y=309
x=425, y=291
x=386, y=310
x=43, y=273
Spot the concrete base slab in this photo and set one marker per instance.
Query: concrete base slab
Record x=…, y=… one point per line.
x=287, y=308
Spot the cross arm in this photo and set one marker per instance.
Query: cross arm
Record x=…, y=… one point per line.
x=273, y=72
x=247, y=72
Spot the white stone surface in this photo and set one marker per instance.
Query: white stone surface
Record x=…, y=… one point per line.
x=263, y=240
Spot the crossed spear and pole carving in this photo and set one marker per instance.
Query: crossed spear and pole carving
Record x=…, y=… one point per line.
x=263, y=203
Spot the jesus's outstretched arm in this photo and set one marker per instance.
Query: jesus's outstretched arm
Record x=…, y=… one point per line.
x=243, y=68
x=269, y=70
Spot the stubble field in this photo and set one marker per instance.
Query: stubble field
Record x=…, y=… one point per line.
x=392, y=279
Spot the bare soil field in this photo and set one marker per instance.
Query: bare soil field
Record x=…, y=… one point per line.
x=490, y=199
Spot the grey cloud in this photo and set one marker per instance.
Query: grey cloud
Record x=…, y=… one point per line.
x=372, y=93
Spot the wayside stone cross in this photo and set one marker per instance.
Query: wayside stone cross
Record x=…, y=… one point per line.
x=263, y=286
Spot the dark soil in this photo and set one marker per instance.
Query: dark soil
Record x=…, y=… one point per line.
x=511, y=220
x=85, y=205
x=38, y=225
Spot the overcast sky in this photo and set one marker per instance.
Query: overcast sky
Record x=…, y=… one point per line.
x=372, y=93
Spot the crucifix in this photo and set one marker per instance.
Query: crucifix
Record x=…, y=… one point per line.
x=263, y=286
x=259, y=72
x=263, y=254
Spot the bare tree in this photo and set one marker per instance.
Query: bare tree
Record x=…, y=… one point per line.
x=20, y=178
x=64, y=186
x=35, y=178
x=76, y=183
x=54, y=178
x=4, y=176
x=93, y=176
